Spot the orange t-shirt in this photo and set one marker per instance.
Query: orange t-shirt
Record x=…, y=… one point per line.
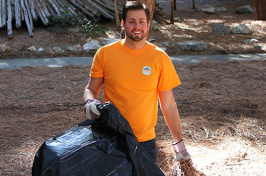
x=132, y=81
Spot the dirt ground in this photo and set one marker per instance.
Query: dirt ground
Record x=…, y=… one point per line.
x=222, y=105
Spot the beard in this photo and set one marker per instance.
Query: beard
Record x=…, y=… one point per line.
x=137, y=38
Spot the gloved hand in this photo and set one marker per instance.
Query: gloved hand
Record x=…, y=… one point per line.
x=90, y=109
x=181, y=151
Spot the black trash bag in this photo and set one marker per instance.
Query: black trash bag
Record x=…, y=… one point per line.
x=106, y=146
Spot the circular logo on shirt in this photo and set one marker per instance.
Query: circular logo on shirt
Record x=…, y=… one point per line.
x=146, y=70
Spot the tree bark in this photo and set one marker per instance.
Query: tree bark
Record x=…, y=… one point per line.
x=260, y=9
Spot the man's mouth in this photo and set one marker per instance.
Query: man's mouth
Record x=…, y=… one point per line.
x=137, y=32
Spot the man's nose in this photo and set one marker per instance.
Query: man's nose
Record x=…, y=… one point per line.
x=137, y=25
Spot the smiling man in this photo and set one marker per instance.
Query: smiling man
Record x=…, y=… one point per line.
x=135, y=75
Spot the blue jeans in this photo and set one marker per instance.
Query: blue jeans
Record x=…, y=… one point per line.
x=150, y=148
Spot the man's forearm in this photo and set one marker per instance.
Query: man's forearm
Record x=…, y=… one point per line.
x=173, y=122
x=87, y=95
x=170, y=111
x=93, y=88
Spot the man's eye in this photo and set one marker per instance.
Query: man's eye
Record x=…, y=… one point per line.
x=131, y=22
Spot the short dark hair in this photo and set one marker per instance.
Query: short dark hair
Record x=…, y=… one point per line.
x=134, y=5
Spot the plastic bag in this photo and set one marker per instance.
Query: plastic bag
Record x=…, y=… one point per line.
x=106, y=146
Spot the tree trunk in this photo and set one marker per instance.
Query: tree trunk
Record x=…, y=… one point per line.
x=172, y=21
x=260, y=9
x=117, y=19
x=193, y=4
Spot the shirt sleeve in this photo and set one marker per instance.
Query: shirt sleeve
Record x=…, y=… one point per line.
x=168, y=78
x=97, y=65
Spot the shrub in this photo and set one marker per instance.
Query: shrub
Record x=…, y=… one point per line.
x=92, y=28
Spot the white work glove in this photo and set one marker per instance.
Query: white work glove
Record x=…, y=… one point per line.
x=181, y=151
x=90, y=109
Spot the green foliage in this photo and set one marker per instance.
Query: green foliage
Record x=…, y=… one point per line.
x=92, y=28
x=66, y=19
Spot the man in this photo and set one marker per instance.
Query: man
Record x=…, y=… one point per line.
x=134, y=74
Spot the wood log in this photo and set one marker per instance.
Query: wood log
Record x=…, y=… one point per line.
x=54, y=5
x=43, y=6
x=33, y=13
x=9, y=20
x=27, y=20
x=1, y=14
x=17, y=14
x=29, y=11
x=109, y=3
x=3, y=10
x=43, y=17
x=106, y=6
x=60, y=7
x=67, y=7
x=86, y=5
x=41, y=11
x=29, y=15
x=101, y=11
x=74, y=3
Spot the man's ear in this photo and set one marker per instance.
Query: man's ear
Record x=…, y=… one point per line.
x=122, y=24
x=149, y=24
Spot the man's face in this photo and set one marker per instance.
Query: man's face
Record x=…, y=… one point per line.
x=136, y=25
